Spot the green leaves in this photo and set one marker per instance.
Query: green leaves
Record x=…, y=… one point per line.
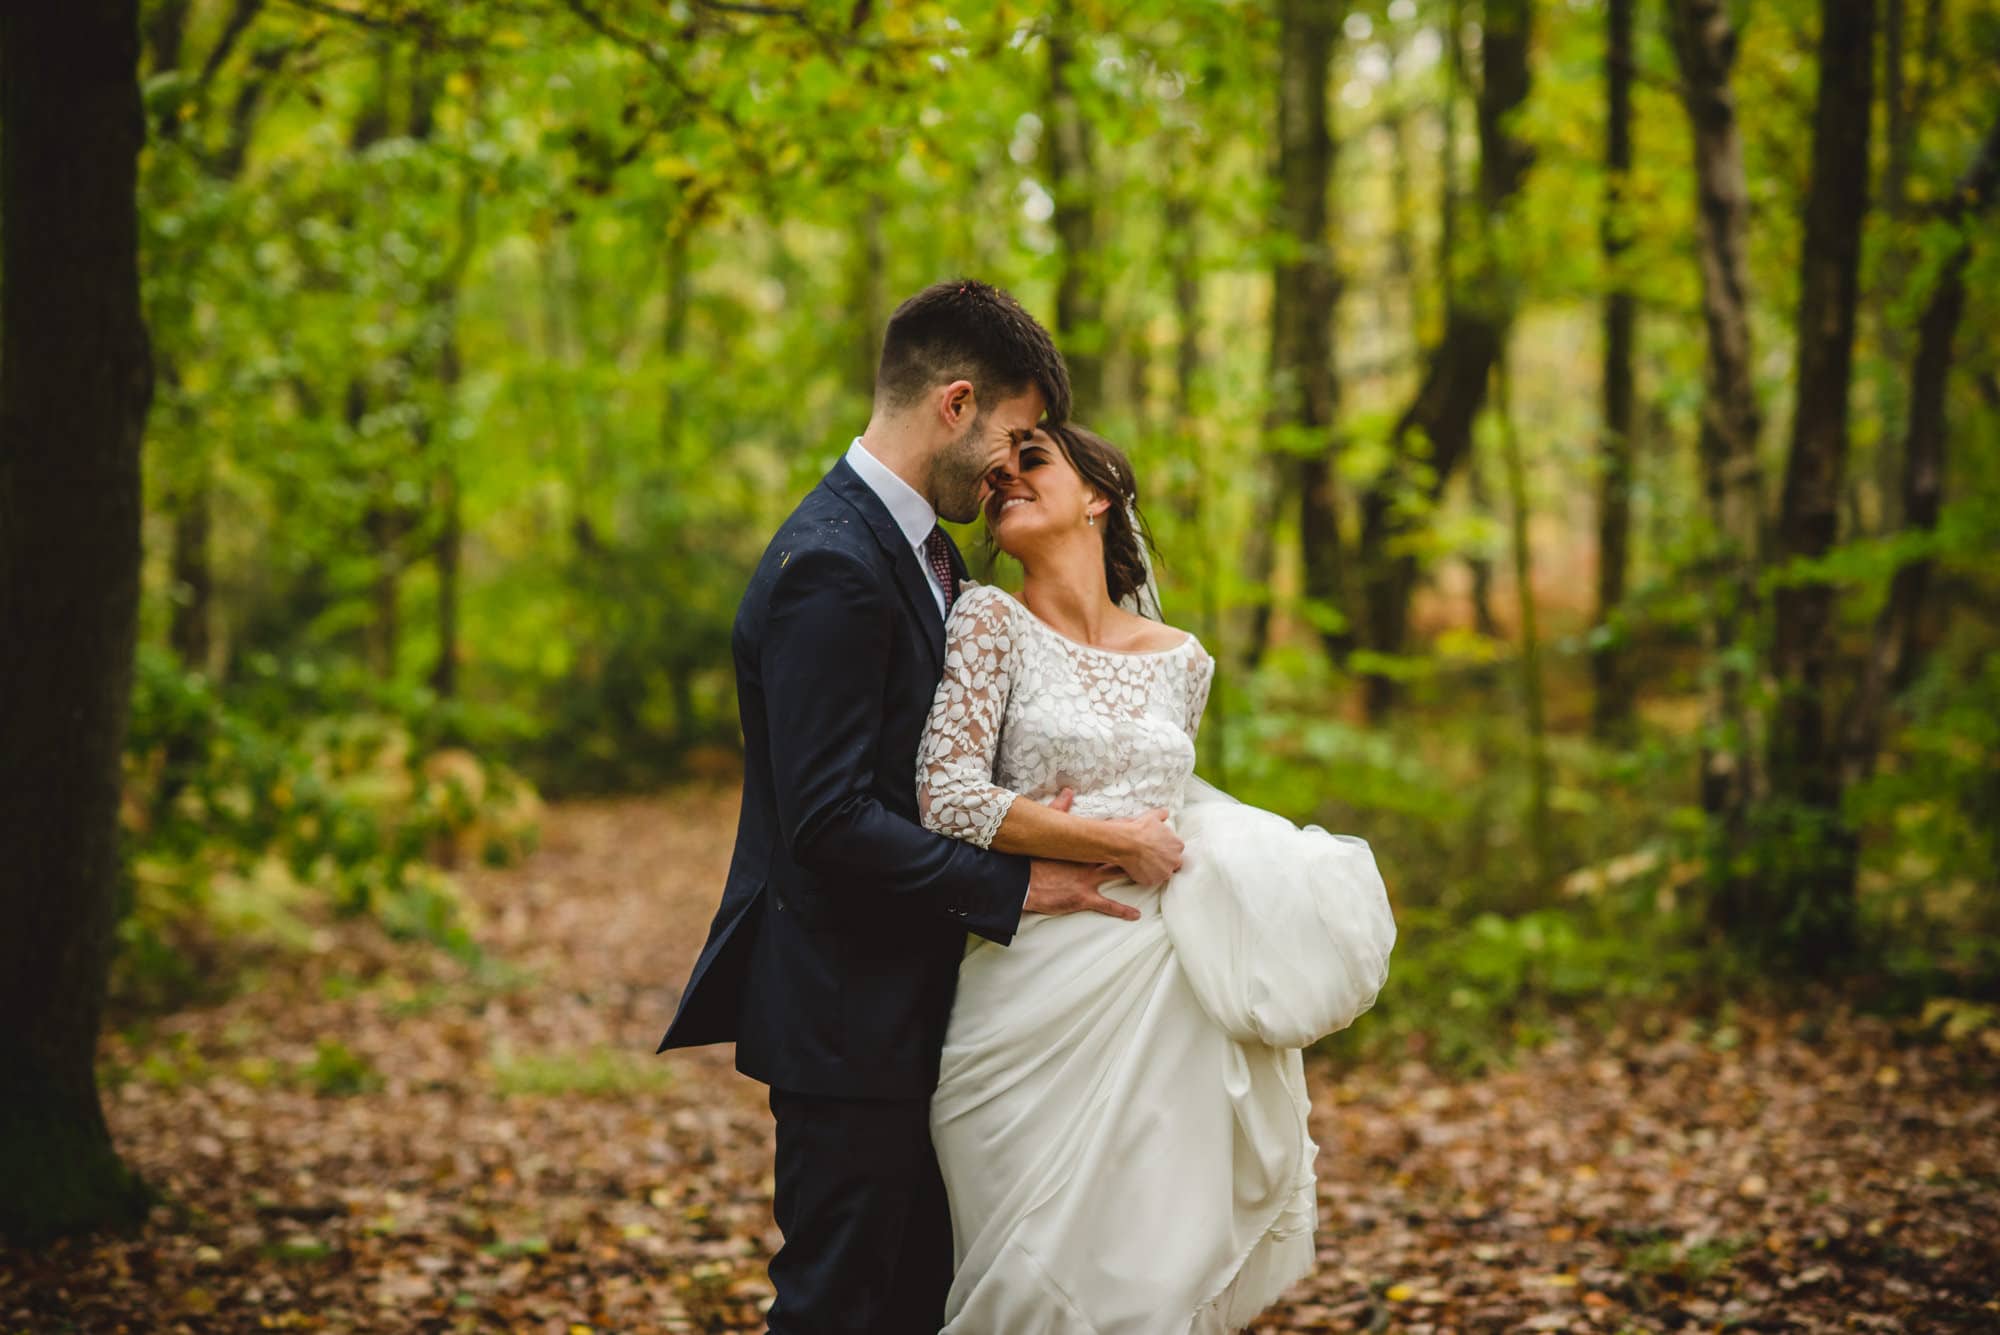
x=518, y=332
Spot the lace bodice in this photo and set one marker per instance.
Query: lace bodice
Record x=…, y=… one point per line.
x=1024, y=710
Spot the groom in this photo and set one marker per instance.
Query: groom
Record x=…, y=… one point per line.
x=833, y=957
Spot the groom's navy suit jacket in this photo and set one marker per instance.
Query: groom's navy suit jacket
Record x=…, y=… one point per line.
x=834, y=955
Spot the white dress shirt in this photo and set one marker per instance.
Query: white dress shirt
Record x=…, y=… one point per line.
x=912, y=513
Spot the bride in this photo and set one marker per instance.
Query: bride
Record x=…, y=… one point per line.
x=1120, y=1113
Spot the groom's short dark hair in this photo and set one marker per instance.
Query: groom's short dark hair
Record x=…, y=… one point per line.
x=964, y=329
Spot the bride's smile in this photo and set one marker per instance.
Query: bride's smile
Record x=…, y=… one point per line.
x=1042, y=494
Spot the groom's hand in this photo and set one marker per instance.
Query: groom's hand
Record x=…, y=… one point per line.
x=1056, y=888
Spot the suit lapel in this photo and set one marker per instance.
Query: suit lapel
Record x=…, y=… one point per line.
x=845, y=483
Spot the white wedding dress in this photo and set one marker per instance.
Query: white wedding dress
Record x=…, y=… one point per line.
x=1121, y=1108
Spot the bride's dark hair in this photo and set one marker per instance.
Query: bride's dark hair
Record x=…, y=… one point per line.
x=1105, y=470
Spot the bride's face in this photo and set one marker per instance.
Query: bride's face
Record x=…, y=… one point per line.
x=1038, y=497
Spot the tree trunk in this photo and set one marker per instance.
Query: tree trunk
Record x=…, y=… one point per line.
x=190, y=464
x=1896, y=108
x=74, y=389
x=1892, y=274
x=386, y=525
x=1454, y=384
x=1612, y=700
x=1184, y=269
x=183, y=455
x=1301, y=382
x=1305, y=292
x=192, y=575
x=446, y=550
x=1250, y=619
x=371, y=124
x=1403, y=236
x=674, y=344
x=448, y=539
x=393, y=523
x=868, y=294
x=1897, y=649
x=1540, y=838
x=1190, y=501
x=1477, y=561
x=1448, y=182
x=1810, y=880
x=676, y=443
x=1731, y=775
x=1073, y=184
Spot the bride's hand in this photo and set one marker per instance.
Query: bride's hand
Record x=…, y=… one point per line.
x=1153, y=850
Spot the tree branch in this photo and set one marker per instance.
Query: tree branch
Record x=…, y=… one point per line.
x=766, y=11
x=240, y=19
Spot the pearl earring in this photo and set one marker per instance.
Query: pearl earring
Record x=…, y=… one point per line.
x=1091, y=520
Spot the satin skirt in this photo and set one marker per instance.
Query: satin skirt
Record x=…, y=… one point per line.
x=1117, y=1163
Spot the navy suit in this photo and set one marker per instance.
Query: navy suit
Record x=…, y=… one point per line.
x=833, y=958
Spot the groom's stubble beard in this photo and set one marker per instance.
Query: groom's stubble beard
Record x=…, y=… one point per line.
x=958, y=472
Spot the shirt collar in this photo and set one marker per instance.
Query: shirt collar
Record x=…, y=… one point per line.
x=912, y=513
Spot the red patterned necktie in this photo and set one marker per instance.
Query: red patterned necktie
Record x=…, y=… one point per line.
x=937, y=549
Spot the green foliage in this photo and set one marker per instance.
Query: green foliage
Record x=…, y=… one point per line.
x=1464, y=995
x=1442, y=791
x=1928, y=876
x=337, y=1071
x=1691, y=1263
x=297, y=1247
x=241, y=812
x=173, y=1066
x=1487, y=959
x=598, y=1071
x=506, y=335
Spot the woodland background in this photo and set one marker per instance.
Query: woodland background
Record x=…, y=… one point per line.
x=1575, y=428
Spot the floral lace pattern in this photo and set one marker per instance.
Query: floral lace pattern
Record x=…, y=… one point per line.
x=1023, y=710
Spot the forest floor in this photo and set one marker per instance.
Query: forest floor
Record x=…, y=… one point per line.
x=374, y=1137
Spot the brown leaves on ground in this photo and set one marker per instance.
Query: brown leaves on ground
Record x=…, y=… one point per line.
x=377, y=1139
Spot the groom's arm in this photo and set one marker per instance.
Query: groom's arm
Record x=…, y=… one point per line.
x=824, y=659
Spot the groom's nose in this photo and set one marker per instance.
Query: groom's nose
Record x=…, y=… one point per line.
x=1010, y=464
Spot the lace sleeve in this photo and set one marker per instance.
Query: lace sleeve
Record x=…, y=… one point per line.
x=1200, y=677
x=956, y=794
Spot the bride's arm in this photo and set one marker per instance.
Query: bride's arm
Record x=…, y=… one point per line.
x=1197, y=693
x=956, y=794
x=1144, y=847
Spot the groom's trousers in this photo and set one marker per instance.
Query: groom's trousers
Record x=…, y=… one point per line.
x=859, y=1198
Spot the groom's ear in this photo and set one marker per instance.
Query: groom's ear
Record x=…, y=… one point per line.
x=957, y=405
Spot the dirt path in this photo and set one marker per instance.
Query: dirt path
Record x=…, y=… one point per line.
x=375, y=1139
